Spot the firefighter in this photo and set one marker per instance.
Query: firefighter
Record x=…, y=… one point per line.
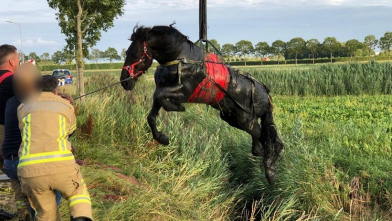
x=46, y=163
x=11, y=144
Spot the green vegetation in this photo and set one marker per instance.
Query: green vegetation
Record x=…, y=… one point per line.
x=330, y=80
x=335, y=166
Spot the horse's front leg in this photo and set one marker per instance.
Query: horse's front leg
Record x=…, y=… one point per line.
x=152, y=122
x=170, y=98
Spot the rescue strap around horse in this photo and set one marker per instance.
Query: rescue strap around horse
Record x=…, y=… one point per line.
x=201, y=63
x=179, y=62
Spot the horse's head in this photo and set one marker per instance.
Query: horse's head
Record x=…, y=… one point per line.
x=162, y=43
x=139, y=58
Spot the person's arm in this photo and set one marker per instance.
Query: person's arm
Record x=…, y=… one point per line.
x=72, y=120
x=66, y=97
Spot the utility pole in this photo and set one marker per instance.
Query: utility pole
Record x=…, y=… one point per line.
x=21, y=41
x=203, y=23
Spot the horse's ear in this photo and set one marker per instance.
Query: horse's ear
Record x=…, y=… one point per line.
x=134, y=31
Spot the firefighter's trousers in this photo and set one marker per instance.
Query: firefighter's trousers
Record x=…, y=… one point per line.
x=40, y=191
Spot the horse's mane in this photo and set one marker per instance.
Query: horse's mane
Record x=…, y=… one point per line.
x=142, y=32
x=139, y=32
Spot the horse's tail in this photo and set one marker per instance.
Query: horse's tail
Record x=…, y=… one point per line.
x=270, y=102
x=269, y=96
x=271, y=142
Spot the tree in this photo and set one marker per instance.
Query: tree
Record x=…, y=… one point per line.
x=352, y=47
x=82, y=22
x=95, y=55
x=296, y=46
x=111, y=54
x=58, y=57
x=45, y=56
x=69, y=57
x=228, y=50
x=277, y=48
x=244, y=47
x=34, y=56
x=386, y=44
x=313, y=45
x=124, y=53
x=262, y=49
x=371, y=43
x=331, y=45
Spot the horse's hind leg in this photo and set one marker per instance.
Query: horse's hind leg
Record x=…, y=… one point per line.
x=251, y=126
x=152, y=122
x=257, y=149
x=272, y=145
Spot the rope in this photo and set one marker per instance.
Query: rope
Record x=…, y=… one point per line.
x=103, y=88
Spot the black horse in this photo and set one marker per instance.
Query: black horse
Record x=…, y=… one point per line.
x=183, y=76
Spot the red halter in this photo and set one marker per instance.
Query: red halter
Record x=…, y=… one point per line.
x=131, y=68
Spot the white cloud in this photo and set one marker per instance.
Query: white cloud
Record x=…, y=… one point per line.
x=229, y=20
x=37, y=42
x=348, y=3
x=342, y=3
x=141, y=7
x=26, y=11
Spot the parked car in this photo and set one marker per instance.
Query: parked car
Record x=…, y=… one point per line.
x=63, y=75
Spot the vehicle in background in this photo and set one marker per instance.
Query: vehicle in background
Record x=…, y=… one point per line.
x=63, y=75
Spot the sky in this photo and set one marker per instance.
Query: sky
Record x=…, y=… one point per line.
x=228, y=21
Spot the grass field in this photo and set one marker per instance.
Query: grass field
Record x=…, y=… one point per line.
x=336, y=164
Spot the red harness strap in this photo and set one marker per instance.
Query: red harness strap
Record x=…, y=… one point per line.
x=207, y=92
x=5, y=75
x=131, y=68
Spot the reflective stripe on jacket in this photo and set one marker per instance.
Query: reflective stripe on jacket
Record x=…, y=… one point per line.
x=45, y=125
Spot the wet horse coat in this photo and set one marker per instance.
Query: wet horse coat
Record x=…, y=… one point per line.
x=185, y=75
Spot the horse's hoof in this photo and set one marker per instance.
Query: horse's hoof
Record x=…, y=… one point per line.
x=270, y=174
x=181, y=108
x=270, y=171
x=163, y=139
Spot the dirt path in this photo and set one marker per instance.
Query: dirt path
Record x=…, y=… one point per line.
x=7, y=201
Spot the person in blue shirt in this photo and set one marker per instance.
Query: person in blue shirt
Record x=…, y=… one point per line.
x=9, y=61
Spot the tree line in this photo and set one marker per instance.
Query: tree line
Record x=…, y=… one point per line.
x=65, y=57
x=298, y=48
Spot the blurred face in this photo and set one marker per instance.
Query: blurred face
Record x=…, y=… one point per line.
x=26, y=82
